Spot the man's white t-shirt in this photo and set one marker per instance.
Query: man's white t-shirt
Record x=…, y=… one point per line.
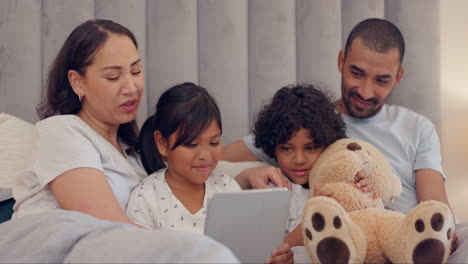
x=153, y=205
x=66, y=142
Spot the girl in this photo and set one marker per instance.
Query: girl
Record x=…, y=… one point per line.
x=180, y=147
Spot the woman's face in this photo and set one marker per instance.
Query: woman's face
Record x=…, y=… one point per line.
x=112, y=85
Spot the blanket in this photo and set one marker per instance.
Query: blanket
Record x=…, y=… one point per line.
x=60, y=236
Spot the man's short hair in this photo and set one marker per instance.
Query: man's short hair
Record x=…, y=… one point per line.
x=378, y=35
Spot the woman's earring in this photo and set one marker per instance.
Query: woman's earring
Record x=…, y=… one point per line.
x=80, y=98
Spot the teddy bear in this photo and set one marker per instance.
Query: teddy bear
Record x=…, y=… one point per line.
x=353, y=226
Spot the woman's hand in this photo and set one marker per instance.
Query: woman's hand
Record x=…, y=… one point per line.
x=283, y=254
x=262, y=177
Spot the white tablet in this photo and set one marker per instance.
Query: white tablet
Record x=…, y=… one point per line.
x=251, y=223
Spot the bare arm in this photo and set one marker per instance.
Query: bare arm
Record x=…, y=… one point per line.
x=260, y=177
x=430, y=186
x=86, y=190
x=294, y=238
x=237, y=151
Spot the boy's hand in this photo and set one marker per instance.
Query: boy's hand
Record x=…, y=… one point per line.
x=294, y=238
x=283, y=254
x=360, y=181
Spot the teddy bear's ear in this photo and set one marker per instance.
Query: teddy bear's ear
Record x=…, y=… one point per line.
x=353, y=146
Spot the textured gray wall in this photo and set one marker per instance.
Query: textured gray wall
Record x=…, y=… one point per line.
x=242, y=51
x=318, y=25
x=272, y=49
x=419, y=21
x=223, y=60
x=20, y=57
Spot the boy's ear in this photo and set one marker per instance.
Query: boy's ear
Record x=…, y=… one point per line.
x=161, y=143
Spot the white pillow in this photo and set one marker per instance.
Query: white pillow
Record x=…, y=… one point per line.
x=17, y=142
x=234, y=168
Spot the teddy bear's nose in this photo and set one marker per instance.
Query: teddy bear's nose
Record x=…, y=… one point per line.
x=353, y=146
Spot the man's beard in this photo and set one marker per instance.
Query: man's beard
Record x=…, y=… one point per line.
x=357, y=114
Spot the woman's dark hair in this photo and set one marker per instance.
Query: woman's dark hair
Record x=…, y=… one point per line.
x=77, y=53
x=186, y=108
x=293, y=108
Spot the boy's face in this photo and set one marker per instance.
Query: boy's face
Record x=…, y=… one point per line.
x=297, y=156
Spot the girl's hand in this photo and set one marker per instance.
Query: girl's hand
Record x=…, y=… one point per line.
x=360, y=181
x=283, y=254
x=261, y=177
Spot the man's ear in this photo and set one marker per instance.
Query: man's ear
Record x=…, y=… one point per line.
x=76, y=82
x=341, y=59
x=161, y=143
x=399, y=75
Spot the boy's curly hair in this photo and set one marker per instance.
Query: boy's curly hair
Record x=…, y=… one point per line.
x=294, y=107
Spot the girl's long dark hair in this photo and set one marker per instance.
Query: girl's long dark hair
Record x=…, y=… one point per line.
x=77, y=53
x=186, y=108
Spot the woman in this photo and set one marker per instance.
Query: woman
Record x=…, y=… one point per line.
x=94, y=89
x=86, y=164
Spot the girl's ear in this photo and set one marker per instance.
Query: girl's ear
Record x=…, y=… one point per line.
x=161, y=143
x=76, y=82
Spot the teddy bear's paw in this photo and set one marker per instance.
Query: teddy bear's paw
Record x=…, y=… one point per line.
x=431, y=228
x=329, y=234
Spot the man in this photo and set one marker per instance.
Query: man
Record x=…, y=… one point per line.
x=370, y=67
